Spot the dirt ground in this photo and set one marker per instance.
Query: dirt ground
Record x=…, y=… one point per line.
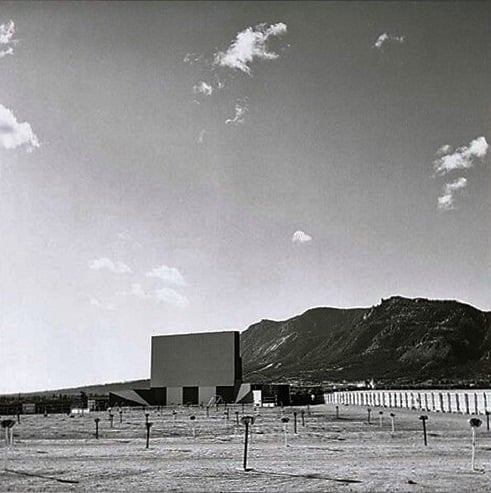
x=61, y=453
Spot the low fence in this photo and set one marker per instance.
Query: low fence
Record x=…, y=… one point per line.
x=439, y=401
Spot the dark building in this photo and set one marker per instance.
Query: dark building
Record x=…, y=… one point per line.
x=201, y=368
x=196, y=368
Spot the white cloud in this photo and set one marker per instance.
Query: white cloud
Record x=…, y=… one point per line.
x=104, y=306
x=385, y=37
x=170, y=275
x=204, y=88
x=240, y=112
x=192, y=58
x=446, y=201
x=137, y=290
x=248, y=45
x=444, y=149
x=301, y=237
x=7, y=32
x=462, y=158
x=106, y=263
x=123, y=235
x=14, y=134
x=168, y=295
x=201, y=136
x=161, y=295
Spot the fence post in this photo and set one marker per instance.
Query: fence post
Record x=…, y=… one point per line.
x=466, y=401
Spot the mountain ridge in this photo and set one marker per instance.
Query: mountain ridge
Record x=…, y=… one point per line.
x=400, y=339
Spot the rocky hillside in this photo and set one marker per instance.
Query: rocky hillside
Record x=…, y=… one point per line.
x=400, y=340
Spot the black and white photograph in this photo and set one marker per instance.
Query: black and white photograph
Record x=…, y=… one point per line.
x=245, y=246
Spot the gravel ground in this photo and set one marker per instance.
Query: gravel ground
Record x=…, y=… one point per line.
x=60, y=453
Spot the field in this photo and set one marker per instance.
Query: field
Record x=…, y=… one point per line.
x=61, y=453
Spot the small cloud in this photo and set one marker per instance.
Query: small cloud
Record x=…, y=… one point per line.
x=301, y=237
x=204, y=88
x=7, y=32
x=446, y=201
x=14, y=134
x=201, y=137
x=250, y=44
x=462, y=158
x=168, y=295
x=444, y=149
x=123, y=235
x=169, y=275
x=165, y=295
x=240, y=112
x=104, y=306
x=106, y=263
x=137, y=290
x=385, y=37
x=192, y=58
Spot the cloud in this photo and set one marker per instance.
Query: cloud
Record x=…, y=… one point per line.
x=14, y=134
x=240, y=111
x=104, y=306
x=301, y=237
x=462, y=158
x=192, y=58
x=106, y=263
x=250, y=44
x=201, y=136
x=446, y=201
x=168, y=295
x=384, y=37
x=169, y=275
x=137, y=290
x=203, y=87
x=444, y=149
x=124, y=235
x=161, y=295
x=7, y=32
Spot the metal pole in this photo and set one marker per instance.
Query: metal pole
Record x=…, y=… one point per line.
x=245, y=444
x=295, y=422
x=148, y=425
x=473, y=447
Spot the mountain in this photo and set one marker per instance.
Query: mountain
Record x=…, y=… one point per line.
x=399, y=340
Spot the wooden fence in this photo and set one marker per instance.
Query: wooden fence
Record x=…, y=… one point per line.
x=438, y=401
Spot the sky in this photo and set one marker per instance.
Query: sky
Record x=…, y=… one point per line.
x=170, y=167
